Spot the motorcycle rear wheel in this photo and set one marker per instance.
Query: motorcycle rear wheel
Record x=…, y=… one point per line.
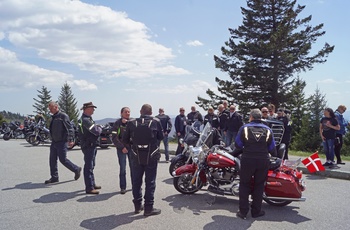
x=183, y=184
x=279, y=203
x=174, y=165
x=33, y=140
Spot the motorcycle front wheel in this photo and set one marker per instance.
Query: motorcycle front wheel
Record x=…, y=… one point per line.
x=33, y=140
x=183, y=184
x=174, y=165
x=6, y=137
x=279, y=203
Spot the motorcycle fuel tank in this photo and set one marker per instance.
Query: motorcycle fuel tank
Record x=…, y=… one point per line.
x=220, y=160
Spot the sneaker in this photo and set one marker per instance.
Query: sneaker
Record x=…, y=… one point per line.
x=94, y=192
x=261, y=213
x=138, y=208
x=77, y=174
x=326, y=164
x=51, y=180
x=122, y=191
x=167, y=161
x=153, y=212
x=240, y=215
x=340, y=163
x=97, y=187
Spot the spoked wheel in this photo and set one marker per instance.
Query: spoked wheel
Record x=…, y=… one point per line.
x=174, y=165
x=279, y=203
x=183, y=184
x=34, y=140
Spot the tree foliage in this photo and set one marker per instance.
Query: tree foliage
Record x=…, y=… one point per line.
x=68, y=103
x=308, y=138
x=41, y=104
x=263, y=54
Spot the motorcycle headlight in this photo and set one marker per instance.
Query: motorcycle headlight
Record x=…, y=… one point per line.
x=198, y=155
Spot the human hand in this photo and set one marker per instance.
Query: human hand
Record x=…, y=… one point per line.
x=125, y=150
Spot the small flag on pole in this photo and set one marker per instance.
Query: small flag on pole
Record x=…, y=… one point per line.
x=313, y=163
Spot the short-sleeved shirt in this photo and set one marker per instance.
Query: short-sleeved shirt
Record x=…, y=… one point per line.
x=328, y=132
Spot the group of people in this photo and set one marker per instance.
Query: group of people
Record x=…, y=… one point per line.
x=332, y=129
x=138, y=140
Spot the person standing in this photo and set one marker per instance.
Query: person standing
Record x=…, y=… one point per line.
x=123, y=150
x=340, y=133
x=328, y=127
x=144, y=134
x=233, y=124
x=287, y=125
x=272, y=111
x=212, y=118
x=257, y=142
x=89, y=133
x=62, y=133
x=194, y=116
x=166, y=124
x=180, y=128
x=223, y=117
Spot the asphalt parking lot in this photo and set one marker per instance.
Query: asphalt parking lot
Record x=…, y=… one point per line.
x=27, y=203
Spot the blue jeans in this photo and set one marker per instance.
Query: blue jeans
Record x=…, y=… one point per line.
x=150, y=172
x=166, y=147
x=89, y=159
x=230, y=137
x=59, y=150
x=122, y=165
x=328, y=147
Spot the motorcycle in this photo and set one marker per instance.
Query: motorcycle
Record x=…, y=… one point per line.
x=40, y=135
x=193, y=132
x=220, y=170
x=13, y=130
x=191, y=137
x=105, y=138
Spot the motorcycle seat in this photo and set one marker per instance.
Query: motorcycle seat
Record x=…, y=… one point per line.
x=275, y=163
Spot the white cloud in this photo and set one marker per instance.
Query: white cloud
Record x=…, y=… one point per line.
x=327, y=81
x=93, y=38
x=194, y=43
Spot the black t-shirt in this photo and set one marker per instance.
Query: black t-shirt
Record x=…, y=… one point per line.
x=328, y=132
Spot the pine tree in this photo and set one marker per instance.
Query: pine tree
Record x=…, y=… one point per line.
x=308, y=138
x=41, y=105
x=263, y=54
x=68, y=103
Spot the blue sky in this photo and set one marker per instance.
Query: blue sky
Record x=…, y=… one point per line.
x=126, y=53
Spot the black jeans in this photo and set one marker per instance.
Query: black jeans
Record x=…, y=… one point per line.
x=150, y=172
x=89, y=159
x=257, y=168
x=59, y=150
x=338, y=146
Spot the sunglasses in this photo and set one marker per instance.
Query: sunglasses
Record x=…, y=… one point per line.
x=264, y=111
x=182, y=110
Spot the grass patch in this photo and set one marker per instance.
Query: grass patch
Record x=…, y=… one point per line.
x=320, y=154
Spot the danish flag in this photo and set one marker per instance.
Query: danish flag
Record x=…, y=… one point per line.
x=313, y=163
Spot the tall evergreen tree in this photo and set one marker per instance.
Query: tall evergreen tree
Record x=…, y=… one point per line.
x=68, y=103
x=308, y=137
x=297, y=103
x=41, y=104
x=263, y=54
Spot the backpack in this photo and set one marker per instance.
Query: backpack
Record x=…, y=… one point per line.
x=142, y=140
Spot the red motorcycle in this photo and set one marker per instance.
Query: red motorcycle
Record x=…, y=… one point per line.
x=217, y=168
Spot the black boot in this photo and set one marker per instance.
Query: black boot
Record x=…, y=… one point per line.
x=151, y=212
x=138, y=208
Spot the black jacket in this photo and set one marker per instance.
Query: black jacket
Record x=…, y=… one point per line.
x=60, y=128
x=180, y=124
x=213, y=119
x=234, y=123
x=118, y=130
x=223, y=117
x=147, y=149
x=194, y=116
x=88, y=131
x=166, y=122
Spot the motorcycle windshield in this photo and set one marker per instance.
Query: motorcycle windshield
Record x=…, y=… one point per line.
x=207, y=130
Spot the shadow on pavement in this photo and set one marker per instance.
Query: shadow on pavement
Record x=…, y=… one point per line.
x=111, y=221
x=97, y=198
x=30, y=185
x=59, y=197
x=168, y=181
